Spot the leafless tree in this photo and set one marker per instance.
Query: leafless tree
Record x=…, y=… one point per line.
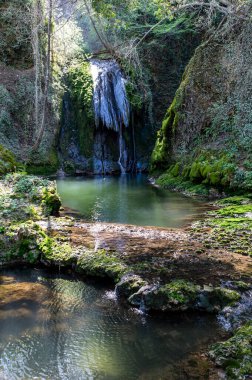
x=46, y=79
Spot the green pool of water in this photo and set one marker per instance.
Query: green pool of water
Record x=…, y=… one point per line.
x=56, y=327
x=127, y=199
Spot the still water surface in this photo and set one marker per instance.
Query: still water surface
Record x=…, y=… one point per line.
x=56, y=327
x=127, y=199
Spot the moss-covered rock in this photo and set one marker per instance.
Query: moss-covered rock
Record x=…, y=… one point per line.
x=160, y=155
x=215, y=299
x=101, y=264
x=56, y=251
x=8, y=162
x=129, y=284
x=20, y=242
x=235, y=355
x=177, y=295
x=51, y=202
x=168, y=181
x=180, y=295
x=207, y=170
x=23, y=195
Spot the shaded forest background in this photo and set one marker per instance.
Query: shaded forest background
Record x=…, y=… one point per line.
x=206, y=133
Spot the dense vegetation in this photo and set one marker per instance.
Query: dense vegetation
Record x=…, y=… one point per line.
x=187, y=68
x=44, y=45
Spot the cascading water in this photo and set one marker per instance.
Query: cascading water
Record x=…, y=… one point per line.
x=111, y=106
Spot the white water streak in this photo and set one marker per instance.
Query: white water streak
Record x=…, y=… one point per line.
x=111, y=106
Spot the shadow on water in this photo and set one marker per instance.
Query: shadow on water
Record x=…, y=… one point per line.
x=62, y=328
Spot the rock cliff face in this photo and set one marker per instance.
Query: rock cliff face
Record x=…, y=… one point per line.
x=89, y=148
x=74, y=142
x=206, y=134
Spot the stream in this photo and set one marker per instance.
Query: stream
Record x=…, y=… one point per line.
x=58, y=327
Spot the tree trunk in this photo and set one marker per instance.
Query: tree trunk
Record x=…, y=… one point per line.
x=47, y=78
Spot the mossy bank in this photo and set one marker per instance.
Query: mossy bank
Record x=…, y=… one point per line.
x=204, y=268
x=205, y=139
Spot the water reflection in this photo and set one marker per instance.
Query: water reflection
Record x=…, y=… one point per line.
x=59, y=328
x=127, y=199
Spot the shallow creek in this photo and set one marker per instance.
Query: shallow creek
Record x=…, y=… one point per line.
x=58, y=327
x=55, y=326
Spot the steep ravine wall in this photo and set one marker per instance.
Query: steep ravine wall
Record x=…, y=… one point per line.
x=206, y=134
x=164, y=61
x=74, y=139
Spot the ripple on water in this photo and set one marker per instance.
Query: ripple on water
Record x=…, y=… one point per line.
x=76, y=330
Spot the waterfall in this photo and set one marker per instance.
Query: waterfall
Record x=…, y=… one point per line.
x=111, y=106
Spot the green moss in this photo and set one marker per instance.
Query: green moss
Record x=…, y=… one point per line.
x=8, y=162
x=206, y=170
x=81, y=84
x=235, y=200
x=21, y=239
x=175, y=170
x=77, y=118
x=24, y=195
x=195, y=172
x=179, y=292
x=133, y=95
x=186, y=171
x=168, y=181
x=177, y=295
x=160, y=158
x=215, y=178
x=224, y=297
x=229, y=227
x=241, y=285
x=51, y=202
x=28, y=242
x=20, y=242
x=55, y=251
x=235, y=355
x=235, y=210
x=160, y=153
x=101, y=264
